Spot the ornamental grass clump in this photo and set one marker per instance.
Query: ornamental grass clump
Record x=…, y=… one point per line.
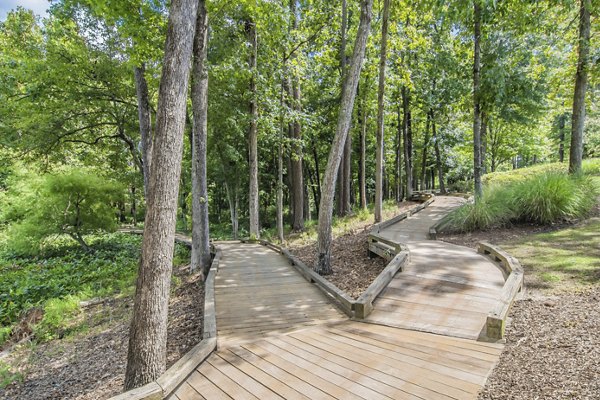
x=553, y=197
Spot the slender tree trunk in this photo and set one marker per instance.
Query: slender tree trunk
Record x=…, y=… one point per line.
x=200, y=228
x=145, y=119
x=438, y=156
x=280, y=164
x=407, y=139
x=233, y=200
x=146, y=358
x=476, y=104
x=424, y=152
x=133, y=205
x=344, y=172
x=581, y=81
x=483, y=151
x=398, y=152
x=363, y=152
x=323, y=264
x=253, y=133
x=561, y=138
x=380, y=114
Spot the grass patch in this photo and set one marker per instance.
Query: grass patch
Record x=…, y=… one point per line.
x=8, y=377
x=562, y=260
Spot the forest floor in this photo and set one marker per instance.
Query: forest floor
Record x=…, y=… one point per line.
x=90, y=364
x=552, y=343
x=353, y=270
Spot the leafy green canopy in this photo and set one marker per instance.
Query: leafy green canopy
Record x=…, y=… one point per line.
x=73, y=203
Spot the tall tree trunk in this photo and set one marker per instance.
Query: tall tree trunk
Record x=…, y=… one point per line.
x=145, y=119
x=476, y=97
x=581, y=78
x=253, y=133
x=380, y=114
x=323, y=264
x=407, y=139
x=561, y=138
x=280, y=163
x=344, y=173
x=233, y=200
x=146, y=358
x=438, y=156
x=398, y=151
x=424, y=152
x=200, y=258
x=483, y=152
x=363, y=152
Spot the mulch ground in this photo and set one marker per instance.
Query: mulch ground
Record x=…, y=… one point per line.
x=91, y=365
x=552, y=350
x=552, y=343
x=353, y=270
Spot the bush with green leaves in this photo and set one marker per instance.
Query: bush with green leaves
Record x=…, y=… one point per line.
x=73, y=203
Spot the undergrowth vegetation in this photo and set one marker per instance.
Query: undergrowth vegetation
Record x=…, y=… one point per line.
x=64, y=274
x=542, y=195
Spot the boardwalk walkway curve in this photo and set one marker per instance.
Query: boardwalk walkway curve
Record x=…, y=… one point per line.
x=279, y=337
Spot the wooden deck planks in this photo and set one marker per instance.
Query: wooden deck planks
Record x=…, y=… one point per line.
x=257, y=292
x=280, y=338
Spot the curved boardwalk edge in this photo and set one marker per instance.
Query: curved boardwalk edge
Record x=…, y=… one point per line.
x=496, y=320
x=178, y=372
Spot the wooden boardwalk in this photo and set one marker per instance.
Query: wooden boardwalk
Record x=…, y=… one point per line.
x=445, y=289
x=347, y=360
x=280, y=338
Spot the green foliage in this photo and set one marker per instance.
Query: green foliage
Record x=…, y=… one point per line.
x=8, y=377
x=66, y=270
x=57, y=319
x=74, y=203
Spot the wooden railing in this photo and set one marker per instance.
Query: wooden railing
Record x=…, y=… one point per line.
x=496, y=319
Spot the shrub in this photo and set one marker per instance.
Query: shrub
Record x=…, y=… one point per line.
x=542, y=198
x=73, y=203
x=491, y=211
x=552, y=196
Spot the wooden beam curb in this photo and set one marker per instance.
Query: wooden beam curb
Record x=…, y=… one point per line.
x=178, y=373
x=496, y=319
x=364, y=305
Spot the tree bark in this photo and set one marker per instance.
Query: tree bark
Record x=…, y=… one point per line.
x=200, y=258
x=323, y=263
x=344, y=173
x=424, y=152
x=561, y=138
x=145, y=120
x=398, y=151
x=253, y=133
x=280, y=163
x=438, y=156
x=233, y=200
x=146, y=358
x=476, y=104
x=380, y=114
x=363, y=152
x=407, y=139
x=581, y=81
x=297, y=157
